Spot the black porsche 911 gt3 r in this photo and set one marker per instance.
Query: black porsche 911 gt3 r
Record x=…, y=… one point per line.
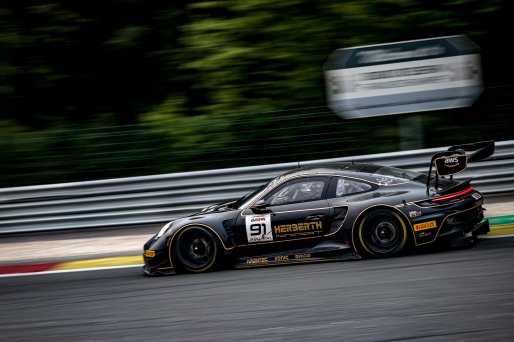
x=327, y=212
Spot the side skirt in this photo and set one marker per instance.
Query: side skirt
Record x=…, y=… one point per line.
x=323, y=252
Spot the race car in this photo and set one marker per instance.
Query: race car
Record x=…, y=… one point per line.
x=327, y=212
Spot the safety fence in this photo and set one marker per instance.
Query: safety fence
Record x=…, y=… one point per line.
x=160, y=198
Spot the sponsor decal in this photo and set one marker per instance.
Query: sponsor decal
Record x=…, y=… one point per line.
x=258, y=228
x=302, y=256
x=425, y=225
x=476, y=196
x=278, y=258
x=256, y=260
x=149, y=253
x=424, y=234
x=414, y=213
x=451, y=165
x=303, y=229
x=451, y=161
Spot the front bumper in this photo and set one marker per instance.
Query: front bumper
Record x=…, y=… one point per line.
x=156, y=258
x=152, y=272
x=158, y=264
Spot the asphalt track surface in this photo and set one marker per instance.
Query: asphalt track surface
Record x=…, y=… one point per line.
x=448, y=295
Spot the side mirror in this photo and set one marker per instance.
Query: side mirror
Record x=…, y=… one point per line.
x=260, y=207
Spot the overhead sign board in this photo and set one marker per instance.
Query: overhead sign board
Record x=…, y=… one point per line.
x=403, y=77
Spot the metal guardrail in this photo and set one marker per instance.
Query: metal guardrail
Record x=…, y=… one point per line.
x=160, y=198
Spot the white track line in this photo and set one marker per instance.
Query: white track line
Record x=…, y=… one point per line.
x=68, y=271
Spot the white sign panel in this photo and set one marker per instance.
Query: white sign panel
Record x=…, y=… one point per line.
x=403, y=77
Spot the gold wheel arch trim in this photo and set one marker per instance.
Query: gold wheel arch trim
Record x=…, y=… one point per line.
x=394, y=210
x=187, y=227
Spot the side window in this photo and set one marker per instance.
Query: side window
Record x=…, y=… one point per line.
x=345, y=186
x=296, y=191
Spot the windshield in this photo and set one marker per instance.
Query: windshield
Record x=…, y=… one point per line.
x=239, y=203
x=251, y=196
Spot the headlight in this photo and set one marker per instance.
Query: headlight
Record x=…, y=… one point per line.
x=163, y=230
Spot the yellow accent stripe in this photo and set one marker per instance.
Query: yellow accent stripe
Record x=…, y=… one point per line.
x=103, y=262
x=504, y=229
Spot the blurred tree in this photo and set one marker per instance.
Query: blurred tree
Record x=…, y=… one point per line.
x=127, y=87
x=259, y=55
x=66, y=62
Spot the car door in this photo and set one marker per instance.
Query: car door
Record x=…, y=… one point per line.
x=293, y=215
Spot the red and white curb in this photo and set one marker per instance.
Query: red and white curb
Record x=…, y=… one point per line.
x=72, y=266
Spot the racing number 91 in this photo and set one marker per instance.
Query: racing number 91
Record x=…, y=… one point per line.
x=258, y=229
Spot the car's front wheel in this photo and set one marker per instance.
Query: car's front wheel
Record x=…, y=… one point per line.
x=382, y=233
x=196, y=249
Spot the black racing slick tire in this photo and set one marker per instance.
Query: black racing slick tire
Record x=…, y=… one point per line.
x=382, y=233
x=196, y=250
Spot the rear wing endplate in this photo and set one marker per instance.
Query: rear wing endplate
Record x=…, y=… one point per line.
x=456, y=158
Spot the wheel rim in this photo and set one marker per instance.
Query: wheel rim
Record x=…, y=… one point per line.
x=382, y=235
x=196, y=250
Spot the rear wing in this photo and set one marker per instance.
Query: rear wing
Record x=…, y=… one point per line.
x=456, y=158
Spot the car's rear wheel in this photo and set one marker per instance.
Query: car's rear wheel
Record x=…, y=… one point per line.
x=196, y=249
x=382, y=233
